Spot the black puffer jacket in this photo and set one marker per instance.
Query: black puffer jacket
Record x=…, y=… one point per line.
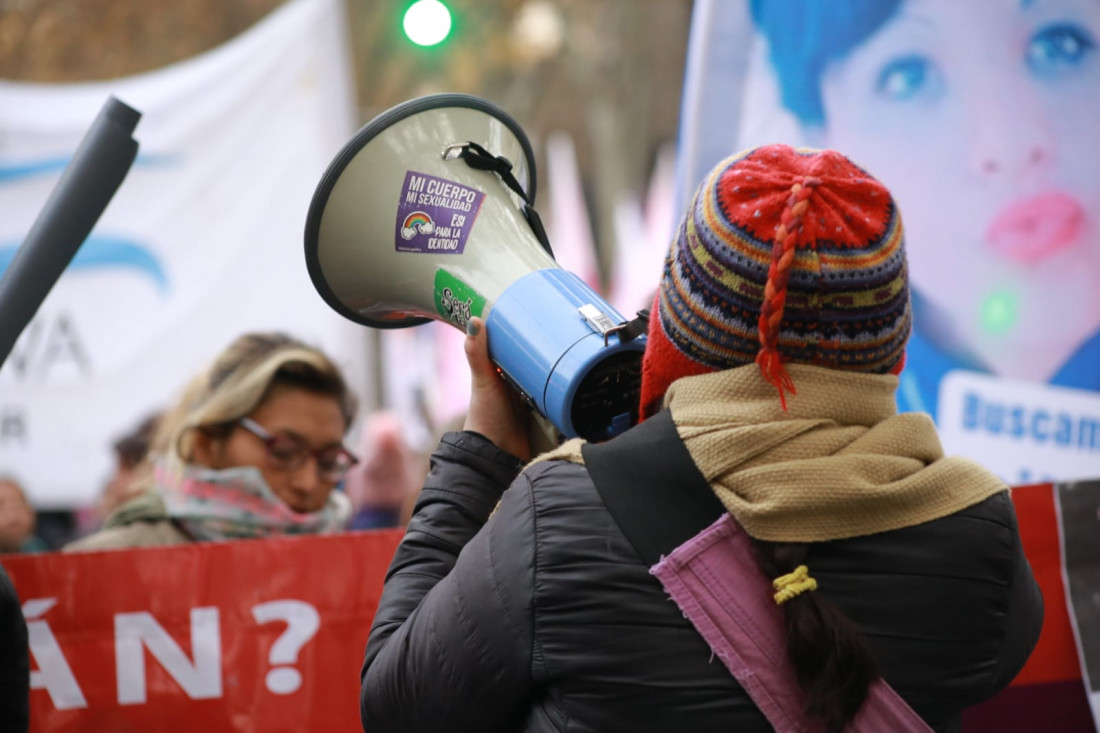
x=547, y=620
x=15, y=661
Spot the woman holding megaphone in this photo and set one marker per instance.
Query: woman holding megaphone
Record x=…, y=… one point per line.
x=772, y=548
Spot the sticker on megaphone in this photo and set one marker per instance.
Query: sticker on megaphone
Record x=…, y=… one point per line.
x=423, y=215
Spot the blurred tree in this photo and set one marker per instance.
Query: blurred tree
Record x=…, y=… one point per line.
x=608, y=72
x=84, y=40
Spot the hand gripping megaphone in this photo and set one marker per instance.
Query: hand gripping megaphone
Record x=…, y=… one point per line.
x=424, y=215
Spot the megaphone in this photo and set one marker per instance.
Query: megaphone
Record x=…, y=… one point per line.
x=424, y=215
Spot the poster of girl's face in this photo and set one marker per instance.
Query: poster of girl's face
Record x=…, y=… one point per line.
x=983, y=119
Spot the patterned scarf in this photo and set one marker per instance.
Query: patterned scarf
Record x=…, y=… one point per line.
x=237, y=503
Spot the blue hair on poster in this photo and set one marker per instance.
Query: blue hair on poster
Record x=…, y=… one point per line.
x=805, y=36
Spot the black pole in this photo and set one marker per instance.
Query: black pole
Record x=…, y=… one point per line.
x=86, y=187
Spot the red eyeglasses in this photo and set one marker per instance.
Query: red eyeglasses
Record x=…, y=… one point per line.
x=289, y=453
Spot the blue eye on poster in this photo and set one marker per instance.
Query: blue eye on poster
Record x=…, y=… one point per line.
x=981, y=119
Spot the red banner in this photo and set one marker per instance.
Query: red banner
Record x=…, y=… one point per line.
x=268, y=635
x=1048, y=695
x=262, y=635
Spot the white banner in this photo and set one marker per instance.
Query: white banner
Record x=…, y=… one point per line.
x=202, y=242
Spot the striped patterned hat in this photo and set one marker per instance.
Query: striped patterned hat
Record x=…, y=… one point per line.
x=784, y=255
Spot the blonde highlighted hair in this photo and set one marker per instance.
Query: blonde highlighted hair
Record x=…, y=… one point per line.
x=238, y=382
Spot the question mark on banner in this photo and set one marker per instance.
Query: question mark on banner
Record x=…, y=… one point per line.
x=302, y=622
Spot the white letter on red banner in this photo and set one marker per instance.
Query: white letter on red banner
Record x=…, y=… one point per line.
x=53, y=673
x=200, y=680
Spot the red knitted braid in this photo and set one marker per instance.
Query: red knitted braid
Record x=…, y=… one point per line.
x=775, y=289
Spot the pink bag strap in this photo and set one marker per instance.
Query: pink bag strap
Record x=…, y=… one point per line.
x=720, y=589
x=671, y=517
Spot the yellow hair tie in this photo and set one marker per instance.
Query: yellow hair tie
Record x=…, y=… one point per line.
x=792, y=584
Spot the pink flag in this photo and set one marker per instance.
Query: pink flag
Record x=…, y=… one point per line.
x=567, y=223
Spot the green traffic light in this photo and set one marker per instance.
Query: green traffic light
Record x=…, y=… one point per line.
x=427, y=22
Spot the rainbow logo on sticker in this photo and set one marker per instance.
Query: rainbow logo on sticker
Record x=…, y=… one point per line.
x=434, y=215
x=416, y=222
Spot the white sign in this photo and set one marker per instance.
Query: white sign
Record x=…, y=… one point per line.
x=1028, y=433
x=203, y=241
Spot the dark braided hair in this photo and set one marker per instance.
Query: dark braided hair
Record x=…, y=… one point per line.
x=831, y=661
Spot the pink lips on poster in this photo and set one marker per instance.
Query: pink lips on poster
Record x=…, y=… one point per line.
x=1029, y=230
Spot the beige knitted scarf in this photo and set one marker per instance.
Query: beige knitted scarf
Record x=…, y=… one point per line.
x=840, y=462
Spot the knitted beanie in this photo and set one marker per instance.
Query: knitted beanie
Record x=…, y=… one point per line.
x=784, y=255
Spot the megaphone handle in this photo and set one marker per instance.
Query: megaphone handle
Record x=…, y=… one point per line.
x=541, y=433
x=542, y=436
x=523, y=396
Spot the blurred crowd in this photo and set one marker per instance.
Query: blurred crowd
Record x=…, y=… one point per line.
x=262, y=442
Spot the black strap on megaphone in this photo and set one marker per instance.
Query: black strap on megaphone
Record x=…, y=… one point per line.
x=635, y=328
x=630, y=330
x=481, y=159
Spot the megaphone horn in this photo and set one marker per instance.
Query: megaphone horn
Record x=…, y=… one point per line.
x=428, y=213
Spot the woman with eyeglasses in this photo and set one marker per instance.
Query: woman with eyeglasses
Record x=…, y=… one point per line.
x=254, y=448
